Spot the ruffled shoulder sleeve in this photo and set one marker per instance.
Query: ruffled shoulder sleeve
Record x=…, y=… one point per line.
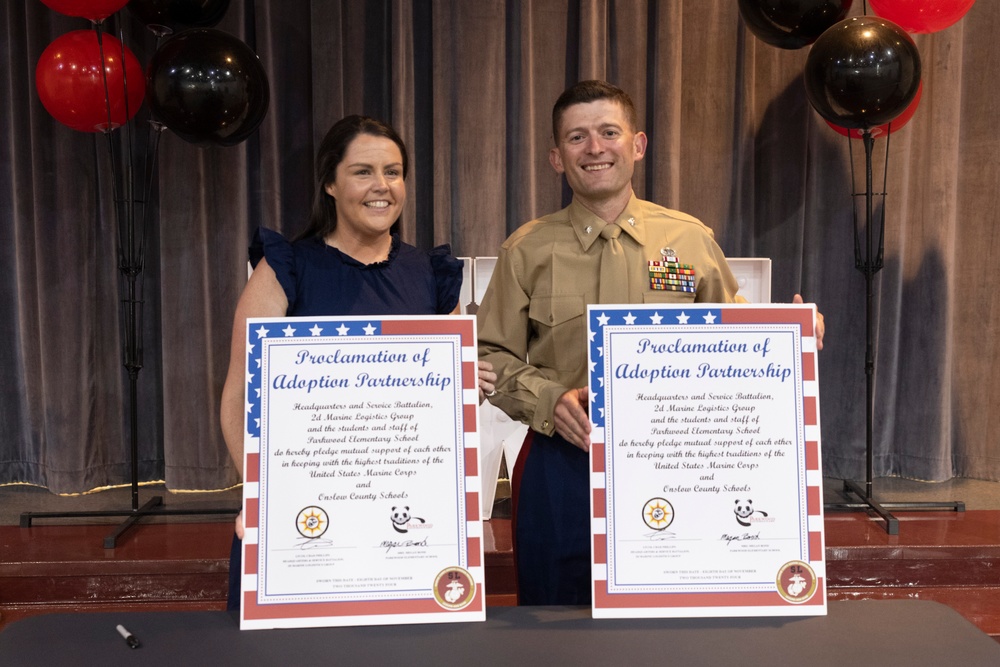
x=448, y=277
x=280, y=257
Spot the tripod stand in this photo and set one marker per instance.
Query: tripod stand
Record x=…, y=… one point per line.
x=869, y=263
x=131, y=215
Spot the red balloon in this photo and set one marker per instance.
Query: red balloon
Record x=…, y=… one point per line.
x=71, y=86
x=95, y=10
x=922, y=16
x=894, y=126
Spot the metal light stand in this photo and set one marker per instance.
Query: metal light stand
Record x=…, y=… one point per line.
x=131, y=251
x=869, y=265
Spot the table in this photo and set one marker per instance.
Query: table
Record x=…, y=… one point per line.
x=868, y=632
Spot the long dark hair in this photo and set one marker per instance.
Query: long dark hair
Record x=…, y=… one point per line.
x=323, y=218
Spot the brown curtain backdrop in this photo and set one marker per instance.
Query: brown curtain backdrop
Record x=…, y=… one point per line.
x=470, y=85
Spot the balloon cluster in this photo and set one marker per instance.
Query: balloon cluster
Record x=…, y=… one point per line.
x=862, y=74
x=205, y=85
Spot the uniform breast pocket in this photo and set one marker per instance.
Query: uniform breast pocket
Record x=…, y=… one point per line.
x=558, y=321
x=667, y=296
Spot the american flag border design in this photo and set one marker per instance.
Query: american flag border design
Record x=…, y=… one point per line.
x=360, y=612
x=693, y=604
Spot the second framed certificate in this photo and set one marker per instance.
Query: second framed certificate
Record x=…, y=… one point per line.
x=706, y=481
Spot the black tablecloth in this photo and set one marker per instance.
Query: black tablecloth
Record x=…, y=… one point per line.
x=883, y=633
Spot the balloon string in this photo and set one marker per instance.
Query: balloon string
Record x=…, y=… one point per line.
x=870, y=263
x=130, y=250
x=854, y=206
x=885, y=180
x=869, y=142
x=104, y=72
x=136, y=251
x=156, y=129
x=115, y=176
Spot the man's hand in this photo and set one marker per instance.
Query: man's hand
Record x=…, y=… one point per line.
x=571, y=417
x=487, y=381
x=819, y=324
x=240, y=530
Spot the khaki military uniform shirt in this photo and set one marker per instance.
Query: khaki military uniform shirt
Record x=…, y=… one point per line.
x=532, y=321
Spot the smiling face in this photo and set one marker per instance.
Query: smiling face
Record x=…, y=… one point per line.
x=597, y=148
x=368, y=188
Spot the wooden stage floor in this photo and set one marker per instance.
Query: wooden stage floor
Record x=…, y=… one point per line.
x=949, y=557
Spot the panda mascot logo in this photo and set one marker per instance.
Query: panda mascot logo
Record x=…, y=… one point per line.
x=745, y=510
x=401, y=519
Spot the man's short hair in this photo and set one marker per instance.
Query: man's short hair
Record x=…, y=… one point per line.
x=591, y=91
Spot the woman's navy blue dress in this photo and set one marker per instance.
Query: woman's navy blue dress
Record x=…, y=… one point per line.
x=319, y=280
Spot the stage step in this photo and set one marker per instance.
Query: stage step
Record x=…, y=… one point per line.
x=155, y=567
x=949, y=557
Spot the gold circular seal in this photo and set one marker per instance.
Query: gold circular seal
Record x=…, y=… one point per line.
x=454, y=588
x=658, y=513
x=312, y=522
x=796, y=582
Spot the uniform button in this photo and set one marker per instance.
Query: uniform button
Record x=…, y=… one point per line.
x=545, y=424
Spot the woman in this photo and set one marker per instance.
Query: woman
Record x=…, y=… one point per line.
x=346, y=262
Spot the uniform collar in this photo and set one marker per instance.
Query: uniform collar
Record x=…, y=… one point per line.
x=588, y=226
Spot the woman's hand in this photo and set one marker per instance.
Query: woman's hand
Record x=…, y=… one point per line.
x=239, y=525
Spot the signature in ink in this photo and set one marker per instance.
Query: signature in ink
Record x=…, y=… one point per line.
x=660, y=535
x=745, y=537
x=389, y=545
x=315, y=543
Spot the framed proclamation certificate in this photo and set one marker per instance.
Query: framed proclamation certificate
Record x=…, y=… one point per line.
x=706, y=487
x=361, y=492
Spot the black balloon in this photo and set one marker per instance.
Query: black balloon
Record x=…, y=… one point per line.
x=862, y=72
x=791, y=24
x=166, y=16
x=208, y=87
